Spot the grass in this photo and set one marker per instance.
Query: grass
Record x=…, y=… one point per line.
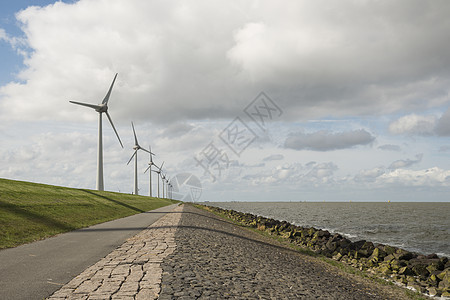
x=31, y=211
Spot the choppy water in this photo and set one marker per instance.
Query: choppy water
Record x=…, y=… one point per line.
x=419, y=227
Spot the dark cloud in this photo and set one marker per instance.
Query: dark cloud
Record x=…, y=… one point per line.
x=177, y=129
x=344, y=60
x=274, y=157
x=401, y=164
x=389, y=147
x=443, y=125
x=444, y=149
x=327, y=141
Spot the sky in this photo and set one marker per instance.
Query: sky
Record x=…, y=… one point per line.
x=255, y=100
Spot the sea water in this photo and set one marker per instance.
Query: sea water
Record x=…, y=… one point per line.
x=415, y=226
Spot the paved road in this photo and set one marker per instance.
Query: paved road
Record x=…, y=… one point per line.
x=35, y=271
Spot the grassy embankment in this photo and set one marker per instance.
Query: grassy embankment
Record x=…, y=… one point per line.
x=31, y=211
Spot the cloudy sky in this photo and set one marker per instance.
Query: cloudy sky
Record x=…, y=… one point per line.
x=305, y=100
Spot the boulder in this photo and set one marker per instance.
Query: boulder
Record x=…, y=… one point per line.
x=433, y=292
x=436, y=265
x=445, y=279
x=445, y=273
x=420, y=270
x=401, y=254
x=432, y=281
x=385, y=269
x=388, y=249
x=332, y=246
x=377, y=255
x=338, y=256
x=389, y=258
x=344, y=243
x=405, y=271
x=357, y=245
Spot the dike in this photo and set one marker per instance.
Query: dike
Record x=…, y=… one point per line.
x=428, y=274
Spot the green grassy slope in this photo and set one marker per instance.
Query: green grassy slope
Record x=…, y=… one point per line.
x=31, y=211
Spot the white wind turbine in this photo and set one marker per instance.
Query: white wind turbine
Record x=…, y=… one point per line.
x=101, y=108
x=167, y=186
x=159, y=174
x=150, y=164
x=136, y=147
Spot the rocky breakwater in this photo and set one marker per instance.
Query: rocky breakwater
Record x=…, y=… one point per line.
x=428, y=274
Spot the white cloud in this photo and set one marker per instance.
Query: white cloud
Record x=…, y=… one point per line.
x=327, y=141
x=322, y=173
x=369, y=175
x=414, y=124
x=427, y=178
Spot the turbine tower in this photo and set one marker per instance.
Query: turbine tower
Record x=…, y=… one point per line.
x=150, y=164
x=101, y=108
x=163, y=179
x=136, y=147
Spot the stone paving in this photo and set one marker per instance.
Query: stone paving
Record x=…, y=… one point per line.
x=216, y=259
x=132, y=271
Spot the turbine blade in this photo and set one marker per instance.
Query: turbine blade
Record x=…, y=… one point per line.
x=105, y=101
x=135, y=137
x=146, y=150
x=112, y=124
x=162, y=165
x=147, y=169
x=151, y=154
x=132, y=156
x=94, y=106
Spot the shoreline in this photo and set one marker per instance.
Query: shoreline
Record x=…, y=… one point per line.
x=428, y=274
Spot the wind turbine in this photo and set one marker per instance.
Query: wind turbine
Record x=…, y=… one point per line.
x=101, y=108
x=159, y=174
x=136, y=147
x=170, y=190
x=167, y=187
x=163, y=179
x=150, y=164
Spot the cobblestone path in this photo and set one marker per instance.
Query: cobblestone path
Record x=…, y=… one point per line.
x=132, y=271
x=215, y=259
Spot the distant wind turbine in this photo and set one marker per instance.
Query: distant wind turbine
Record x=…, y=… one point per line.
x=150, y=164
x=167, y=187
x=159, y=174
x=101, y=108
x=136, y=147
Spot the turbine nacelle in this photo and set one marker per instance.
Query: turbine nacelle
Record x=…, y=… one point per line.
x=102, y=108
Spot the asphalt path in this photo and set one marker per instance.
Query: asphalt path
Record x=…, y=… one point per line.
x=36, y=270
